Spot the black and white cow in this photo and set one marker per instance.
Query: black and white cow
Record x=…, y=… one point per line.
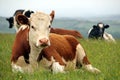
x=12, y=20
x=98, y=32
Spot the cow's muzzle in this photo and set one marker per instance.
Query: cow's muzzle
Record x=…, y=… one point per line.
x=44, y=42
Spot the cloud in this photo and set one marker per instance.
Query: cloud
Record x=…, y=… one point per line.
x=63, y=7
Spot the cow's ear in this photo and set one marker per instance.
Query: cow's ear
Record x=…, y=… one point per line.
x=7, y=19
x=94, y=26
x=106, y=26
x=21, y=19
x=52, y=14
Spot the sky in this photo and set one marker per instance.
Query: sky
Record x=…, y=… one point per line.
x=63, y=8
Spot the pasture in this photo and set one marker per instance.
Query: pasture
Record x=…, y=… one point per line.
x=103, y=55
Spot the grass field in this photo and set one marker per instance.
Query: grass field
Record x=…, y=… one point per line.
x=103, y=55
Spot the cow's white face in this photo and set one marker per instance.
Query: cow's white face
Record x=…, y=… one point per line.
x=101, y=25
x=39, y=29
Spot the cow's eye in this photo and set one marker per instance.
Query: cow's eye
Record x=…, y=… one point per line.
x=49, y=26
x=33, y=27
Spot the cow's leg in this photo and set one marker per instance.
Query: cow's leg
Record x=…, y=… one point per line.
x=55, y=61
x=16, y=65
x=82, y=59
x=21, y=66
x=56, y=67
x=16, y=68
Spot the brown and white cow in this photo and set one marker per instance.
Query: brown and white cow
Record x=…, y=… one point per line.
x=63, y=51
x=32, y=37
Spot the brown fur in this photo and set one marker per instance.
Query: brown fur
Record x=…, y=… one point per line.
x=85, y=60
x=52, y=15
x=61, y=47
x=66, y=32
x=21, y=46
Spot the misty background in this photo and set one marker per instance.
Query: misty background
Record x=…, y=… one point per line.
x=79, y=15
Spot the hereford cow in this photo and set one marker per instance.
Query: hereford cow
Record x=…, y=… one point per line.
x=65, y=31
x=98, y=32
x=12, y=20
x=32, y=38
x=63, y=50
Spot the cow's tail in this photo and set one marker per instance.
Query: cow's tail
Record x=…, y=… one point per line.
x=83, y=60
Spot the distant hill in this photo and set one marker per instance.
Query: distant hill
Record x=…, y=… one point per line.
x=4, y=26
x=80, y=24
x=83, y=25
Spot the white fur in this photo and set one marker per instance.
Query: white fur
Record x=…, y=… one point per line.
x=15, y=24
x=52, y=64
x=22, y=66
x=108, y=37
x=89, y=31
x=16, y=68
x=92, y=69
x=41, y=23
x=101, y=25
x=24, y=12
x=56, y=67
x=80, y=53
x=22, y=27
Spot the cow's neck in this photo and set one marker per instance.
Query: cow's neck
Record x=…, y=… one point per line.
x=34, y=53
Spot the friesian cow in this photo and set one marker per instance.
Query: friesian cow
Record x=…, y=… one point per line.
x=32, y=38
x=11, y=20
x=63, y=50
x=98, y=32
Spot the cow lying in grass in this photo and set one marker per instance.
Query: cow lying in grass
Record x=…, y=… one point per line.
x=62, y=49
x=98, y=32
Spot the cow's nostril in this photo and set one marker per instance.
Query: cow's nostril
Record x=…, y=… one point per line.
x=44, y=41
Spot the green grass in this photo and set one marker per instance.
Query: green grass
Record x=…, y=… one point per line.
x=103, y=55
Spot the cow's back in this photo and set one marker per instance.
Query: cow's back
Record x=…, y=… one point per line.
x=66, y=32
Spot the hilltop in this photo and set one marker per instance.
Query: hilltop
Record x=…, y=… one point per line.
x=80, y=24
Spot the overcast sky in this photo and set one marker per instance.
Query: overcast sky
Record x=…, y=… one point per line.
x=63, y=8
